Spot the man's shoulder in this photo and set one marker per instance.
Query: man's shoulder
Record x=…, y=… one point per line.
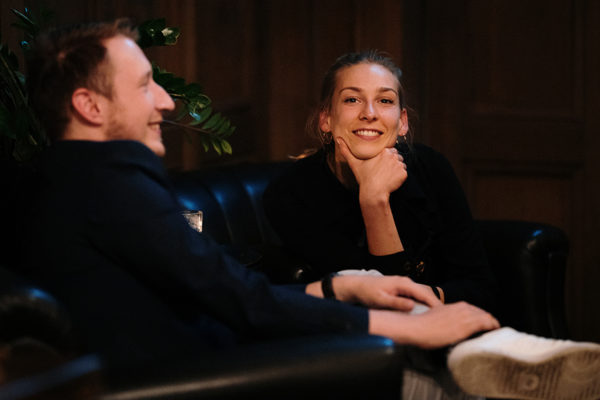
x=94, y=151
x=111, y=172
x=83, y=155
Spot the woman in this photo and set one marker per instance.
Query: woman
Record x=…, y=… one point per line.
x=370, y=200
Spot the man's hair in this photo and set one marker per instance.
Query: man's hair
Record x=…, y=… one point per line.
x=65, y=59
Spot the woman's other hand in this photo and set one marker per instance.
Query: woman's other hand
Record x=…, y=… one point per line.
x=383, y=292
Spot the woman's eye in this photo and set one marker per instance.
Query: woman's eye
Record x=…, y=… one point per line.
x=350, y=100
x=387, y=101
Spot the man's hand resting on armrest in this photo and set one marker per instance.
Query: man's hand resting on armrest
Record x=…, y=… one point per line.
x=441, y=325
x=438, y=327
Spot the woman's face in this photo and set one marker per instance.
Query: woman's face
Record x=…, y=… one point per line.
x=365, y=110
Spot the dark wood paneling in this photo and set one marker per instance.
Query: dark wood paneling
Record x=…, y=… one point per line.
x=525, y=60
x=514, y=191
x=586, y=278
x=288, y=63
x=509, y=99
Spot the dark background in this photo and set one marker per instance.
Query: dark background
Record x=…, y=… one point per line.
x=508, y=90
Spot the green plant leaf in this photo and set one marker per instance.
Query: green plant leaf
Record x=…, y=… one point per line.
x=226, y=147
x=155, y=32
x=216, y=144
x=212, y=122
x=201, y=117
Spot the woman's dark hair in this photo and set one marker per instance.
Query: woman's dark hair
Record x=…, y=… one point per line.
x=65, y=59
x=330, y=80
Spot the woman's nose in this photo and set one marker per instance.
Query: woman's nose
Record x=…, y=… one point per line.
x=368, y=112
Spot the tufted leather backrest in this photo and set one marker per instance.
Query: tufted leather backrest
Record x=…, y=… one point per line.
x=231, y=200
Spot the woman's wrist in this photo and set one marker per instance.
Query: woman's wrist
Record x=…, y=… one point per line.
x=369, y=198
x=332, y=285
x=327, y=286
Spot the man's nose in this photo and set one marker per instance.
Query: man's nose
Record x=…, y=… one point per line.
x=164, y=102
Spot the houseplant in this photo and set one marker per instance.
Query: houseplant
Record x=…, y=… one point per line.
x=21, y=135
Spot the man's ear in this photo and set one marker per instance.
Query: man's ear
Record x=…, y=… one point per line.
x=324, y=124
x=88, y=105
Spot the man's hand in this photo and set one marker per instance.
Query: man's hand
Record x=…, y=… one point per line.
x=438, y=327
x=384, y=292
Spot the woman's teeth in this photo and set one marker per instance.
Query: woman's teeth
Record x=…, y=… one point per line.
x=366, y=133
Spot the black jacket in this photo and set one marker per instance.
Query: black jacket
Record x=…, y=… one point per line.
x=319, y=219
x=109, y=241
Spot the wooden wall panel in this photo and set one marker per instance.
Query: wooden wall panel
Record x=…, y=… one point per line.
x=509, y=95
x=586, y=295
x=289, y=74
x=524, y=109
x=525, y=60
x=514, y=193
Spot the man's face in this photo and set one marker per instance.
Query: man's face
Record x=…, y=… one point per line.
x=137, y=103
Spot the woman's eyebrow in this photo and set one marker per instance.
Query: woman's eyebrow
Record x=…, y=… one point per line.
x=380, y=90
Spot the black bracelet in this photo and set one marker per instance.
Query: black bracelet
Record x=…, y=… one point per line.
x=327, y=287
x=436, y=291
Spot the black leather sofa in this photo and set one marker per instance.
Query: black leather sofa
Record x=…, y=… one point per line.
x=528, y=258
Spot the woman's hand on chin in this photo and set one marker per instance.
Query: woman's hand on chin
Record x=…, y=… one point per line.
x=377, y=177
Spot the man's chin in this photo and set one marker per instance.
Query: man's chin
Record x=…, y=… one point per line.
x=157, y=148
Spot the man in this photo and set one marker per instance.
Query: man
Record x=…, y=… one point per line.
x=108, y=222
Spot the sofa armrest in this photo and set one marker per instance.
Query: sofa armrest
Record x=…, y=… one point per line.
x=529, y=262
x=320, y=366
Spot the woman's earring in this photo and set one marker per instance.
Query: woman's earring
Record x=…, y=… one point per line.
x=326, y=137
x=404, y=139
